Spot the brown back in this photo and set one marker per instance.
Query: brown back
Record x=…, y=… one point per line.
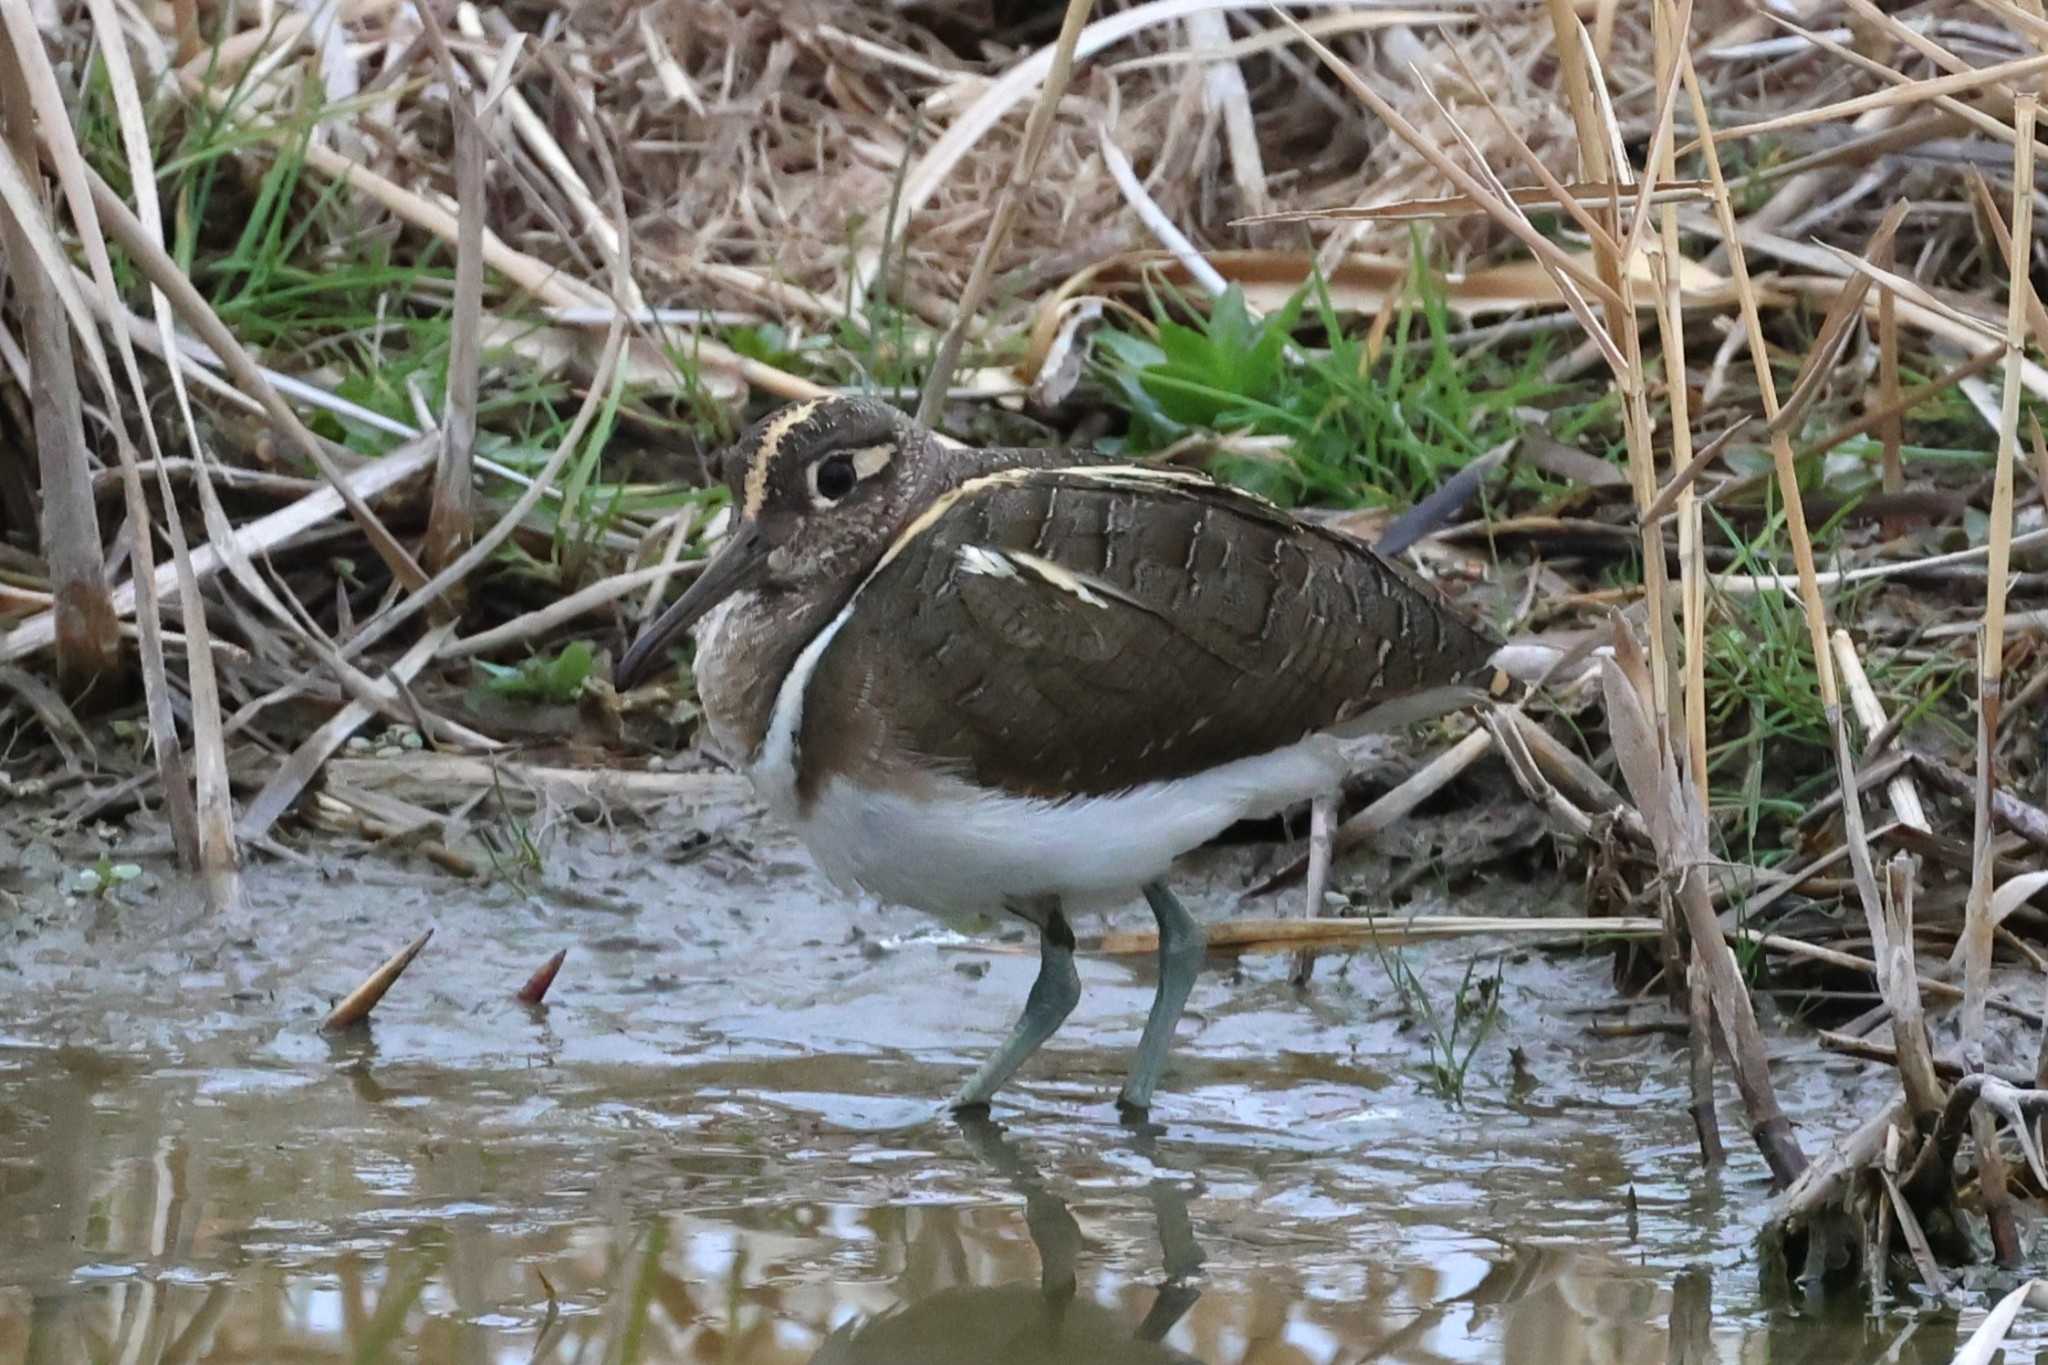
x=1082, y=630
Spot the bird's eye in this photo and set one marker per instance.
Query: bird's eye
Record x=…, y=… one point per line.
x=834, y=477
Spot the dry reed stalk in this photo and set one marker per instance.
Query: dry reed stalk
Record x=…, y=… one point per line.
x=23, y=203
x=219, y=857
x=1931, y=1273
x=451, y=515
x=1988, y=214
x=1795, y=518
x=1890, y=410
x=1690, y=988
x=88, y=638
x=1678, y=828
x=1601, y=158
x=1576, y=198
x=543, y=620
x=1668, y=35
x=1978, y=924
x=1637, y=691
x=355, y=1008
x=1901, y=791
x=1907, y=92
x=1022, y=174
x=1900, y=984
x=1289, y=935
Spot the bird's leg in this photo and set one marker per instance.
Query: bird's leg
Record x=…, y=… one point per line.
x=1052, y=999
x=1181, y=944
x=1322, y=822
x=1053, y=1228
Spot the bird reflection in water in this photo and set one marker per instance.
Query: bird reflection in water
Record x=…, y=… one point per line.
x=1023, y=1323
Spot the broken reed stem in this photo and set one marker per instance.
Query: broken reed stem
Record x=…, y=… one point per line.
x=356, y=1006
x=1977, y=924
x=88, y=634
x=451, y=517
x=1899, y=982
x=1036, y=131
x=1700, y=1053
x=1900, y=790
x=1890, y=426
x=535, y=991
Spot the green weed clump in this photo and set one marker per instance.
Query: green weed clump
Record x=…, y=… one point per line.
x=1453, y=1031
x=556, y=678
x=1359, y=428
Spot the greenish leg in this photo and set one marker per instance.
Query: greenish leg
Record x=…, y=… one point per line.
x=1052, y=999
x=1181, y=945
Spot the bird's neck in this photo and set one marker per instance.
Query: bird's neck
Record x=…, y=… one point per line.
x=745, y=648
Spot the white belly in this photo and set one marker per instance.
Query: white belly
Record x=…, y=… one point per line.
x=965, y=850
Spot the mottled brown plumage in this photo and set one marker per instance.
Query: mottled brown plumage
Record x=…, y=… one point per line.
x=1081, y=630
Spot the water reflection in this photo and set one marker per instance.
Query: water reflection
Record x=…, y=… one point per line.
x=1022, y=1323
x=731, y=1170
x=203, y=1213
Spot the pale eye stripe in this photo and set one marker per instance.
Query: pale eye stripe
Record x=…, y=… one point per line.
x=756, y=489
x=869, y=461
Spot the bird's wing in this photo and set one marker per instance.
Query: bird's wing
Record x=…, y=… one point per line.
x=1083, y=630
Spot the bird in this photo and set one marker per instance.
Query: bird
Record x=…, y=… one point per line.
x=1022, y=682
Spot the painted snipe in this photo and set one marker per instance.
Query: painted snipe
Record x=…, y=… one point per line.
x=1026, y=681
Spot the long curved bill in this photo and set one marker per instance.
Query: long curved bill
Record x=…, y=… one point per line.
x=735, y=567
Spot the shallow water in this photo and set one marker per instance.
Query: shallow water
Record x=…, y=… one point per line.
x=722, y=1141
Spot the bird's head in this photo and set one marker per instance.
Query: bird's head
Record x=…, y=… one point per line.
x=819, y=490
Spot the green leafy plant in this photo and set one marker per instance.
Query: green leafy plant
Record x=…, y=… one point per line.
x=542, y=678
x=103, y=877
x=1342, y=424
